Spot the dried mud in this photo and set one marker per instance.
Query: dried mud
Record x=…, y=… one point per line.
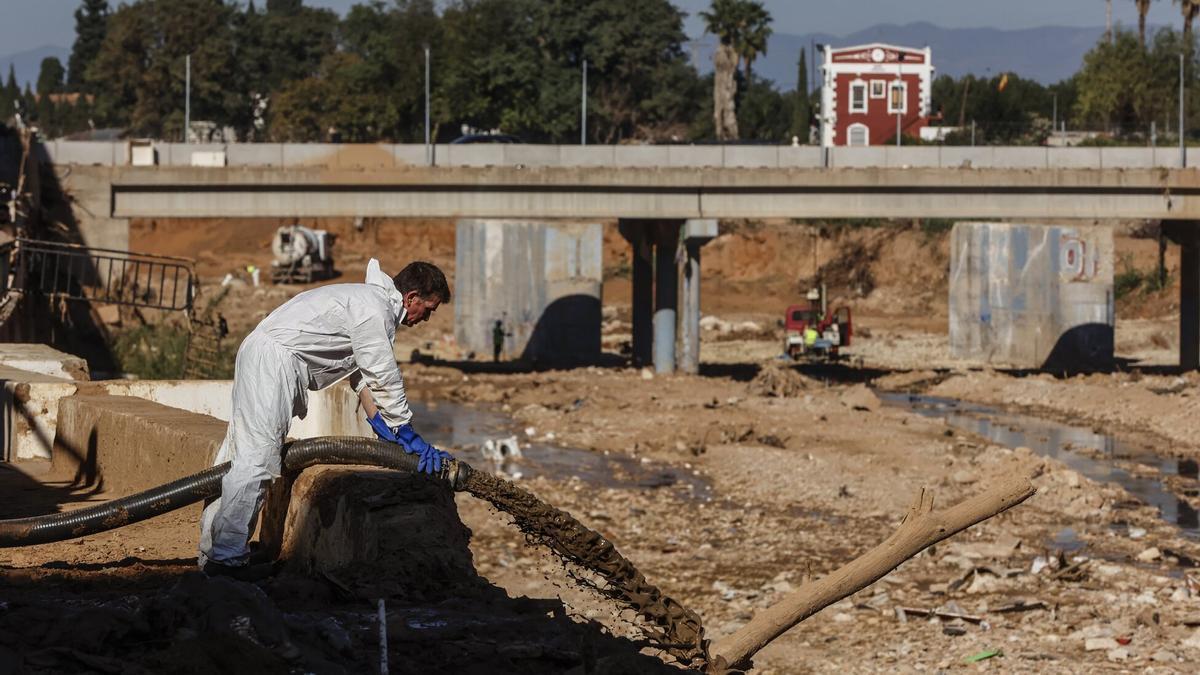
x=668, y=625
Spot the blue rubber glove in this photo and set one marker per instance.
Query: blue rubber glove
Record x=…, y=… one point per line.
x=381, y=429
x=431, y=457
x=406, y=437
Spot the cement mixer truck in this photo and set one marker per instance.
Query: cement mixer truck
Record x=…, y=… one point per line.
x=302, y=255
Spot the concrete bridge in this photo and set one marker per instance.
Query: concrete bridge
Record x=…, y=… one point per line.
x=654, y=191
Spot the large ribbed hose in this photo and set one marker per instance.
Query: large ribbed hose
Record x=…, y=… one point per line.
x=200, y=486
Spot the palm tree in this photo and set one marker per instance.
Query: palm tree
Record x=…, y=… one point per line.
x=1188, y=8
x=1143, y=8
x=743, y=27
x=756, y=29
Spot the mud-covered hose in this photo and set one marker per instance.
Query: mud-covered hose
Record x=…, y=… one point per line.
x=206, y=484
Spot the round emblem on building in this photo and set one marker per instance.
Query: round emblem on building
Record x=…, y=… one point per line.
x=877, y=55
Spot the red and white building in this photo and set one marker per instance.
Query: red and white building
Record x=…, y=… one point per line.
x=868, y=88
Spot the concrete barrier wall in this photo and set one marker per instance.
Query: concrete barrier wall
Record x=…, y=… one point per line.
x=368, y=155
x=331, y=412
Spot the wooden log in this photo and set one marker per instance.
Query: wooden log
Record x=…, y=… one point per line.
x=920, y=529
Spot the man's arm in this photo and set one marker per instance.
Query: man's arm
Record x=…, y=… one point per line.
x=377, y=364
x=367, y=401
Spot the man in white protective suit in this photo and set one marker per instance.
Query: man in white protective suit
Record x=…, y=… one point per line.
x=312, y=341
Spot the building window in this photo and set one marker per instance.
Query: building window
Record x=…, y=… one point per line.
x=856, y=134
x=877, y=88
x=898, y=97
x=858, y=96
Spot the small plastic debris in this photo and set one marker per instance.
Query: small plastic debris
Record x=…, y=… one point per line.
x=983, y=656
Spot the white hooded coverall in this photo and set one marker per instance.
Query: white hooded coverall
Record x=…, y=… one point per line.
x=312, y=341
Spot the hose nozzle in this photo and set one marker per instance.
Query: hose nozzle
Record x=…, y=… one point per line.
x=455, y=472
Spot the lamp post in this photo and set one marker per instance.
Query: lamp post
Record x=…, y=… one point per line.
x=428, y=149
x=1182, y=142
x=899, y=97
x=583, y=108
x=187, y=96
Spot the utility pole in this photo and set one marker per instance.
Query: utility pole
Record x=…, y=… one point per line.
x=1182, y=133
x=1108, y=23
x=1054, y=116
x=187, y=96
x=428, y=149
x=900, y=94
x=583, y=109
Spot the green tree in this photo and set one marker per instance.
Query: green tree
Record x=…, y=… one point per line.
x=139, y=72
x=1188, y=8
x=91, y=23
x=51, y=76
x=1121, y=85
x=641, y=85
x=764, y=113
x=9, y=93
x=801, y=112
x=374, y=88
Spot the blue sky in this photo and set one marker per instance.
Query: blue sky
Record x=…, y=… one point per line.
x=27, y=24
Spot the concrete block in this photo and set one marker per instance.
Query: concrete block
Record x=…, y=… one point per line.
x=309, y=154
x=913, y=156
x=473, y=154
x=129, y=444
x=541, y=280
x=1168, y=157
x=846, y=157
x=254, y=154
x=363, y=156
x=381, y=533
x=209, y=158
x=29, y=412
x=959, y=156
x=694, y=155
x=1127, y=158
x=530, y=155
x=1018, y=158
x=81, y=152
x=651, y=156
x=409, y=154
x=43, y=359
x=587, y=155
x=1073, y=158
x=1032, y=296
x=751, y=156
x=800, y=156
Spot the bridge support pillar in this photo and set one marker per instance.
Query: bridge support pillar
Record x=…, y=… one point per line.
x=1187, y=235
x=696, y=233
x=666, y=295
x=640, y=238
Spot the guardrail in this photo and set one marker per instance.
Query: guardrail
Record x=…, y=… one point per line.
x=382, y=155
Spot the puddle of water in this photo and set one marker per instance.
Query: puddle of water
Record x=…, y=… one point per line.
x=466, y=428
x=1064, y=442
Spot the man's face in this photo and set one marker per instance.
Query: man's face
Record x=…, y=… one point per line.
x=418, y=309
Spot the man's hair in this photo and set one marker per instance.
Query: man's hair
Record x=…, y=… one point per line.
x=424, y=278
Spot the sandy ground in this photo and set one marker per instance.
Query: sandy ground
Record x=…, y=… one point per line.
x=752, y=478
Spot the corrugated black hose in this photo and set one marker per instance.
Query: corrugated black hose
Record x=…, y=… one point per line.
x=205, y=484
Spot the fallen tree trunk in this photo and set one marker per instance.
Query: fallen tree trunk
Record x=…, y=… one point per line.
x=920, y=529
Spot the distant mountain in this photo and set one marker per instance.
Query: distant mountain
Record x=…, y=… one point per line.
x=1048, y=54
x=29, y=62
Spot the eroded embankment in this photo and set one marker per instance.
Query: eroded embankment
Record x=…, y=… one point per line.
x=668, y=625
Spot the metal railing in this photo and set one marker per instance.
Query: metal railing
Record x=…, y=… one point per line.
x=100, y=275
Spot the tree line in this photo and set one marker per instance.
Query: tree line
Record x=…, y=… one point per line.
x=289, y=72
